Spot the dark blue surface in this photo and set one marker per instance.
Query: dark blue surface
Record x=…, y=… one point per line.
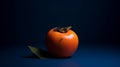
x=86, y=56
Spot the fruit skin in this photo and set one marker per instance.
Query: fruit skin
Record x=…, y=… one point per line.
x=62, y=44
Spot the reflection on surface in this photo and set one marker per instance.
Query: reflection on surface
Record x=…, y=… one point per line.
x=69, y=63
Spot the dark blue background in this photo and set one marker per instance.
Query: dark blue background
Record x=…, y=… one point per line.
x=26, y=22
x=29, y=20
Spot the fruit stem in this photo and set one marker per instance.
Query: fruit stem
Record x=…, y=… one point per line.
x=62, y=29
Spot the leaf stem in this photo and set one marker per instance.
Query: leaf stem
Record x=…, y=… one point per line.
x=62, y=29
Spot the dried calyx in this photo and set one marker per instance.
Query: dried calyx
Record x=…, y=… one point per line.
x=62, y=29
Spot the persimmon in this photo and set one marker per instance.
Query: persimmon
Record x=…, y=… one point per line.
x=62, y=41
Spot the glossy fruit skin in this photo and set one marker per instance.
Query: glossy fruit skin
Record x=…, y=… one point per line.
x=62, y=44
